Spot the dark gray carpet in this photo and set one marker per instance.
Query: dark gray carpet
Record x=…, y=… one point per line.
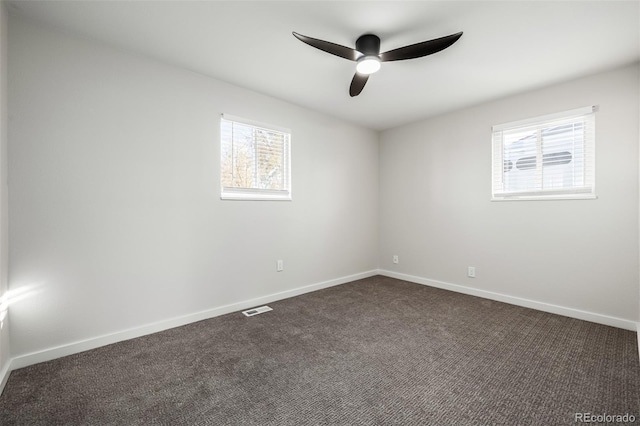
x=373, y=352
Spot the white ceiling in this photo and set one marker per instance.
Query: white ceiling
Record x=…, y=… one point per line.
x=507, y=47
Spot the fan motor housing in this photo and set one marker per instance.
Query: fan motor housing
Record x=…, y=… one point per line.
x=368, y=44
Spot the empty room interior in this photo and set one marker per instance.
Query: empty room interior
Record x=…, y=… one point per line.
x=301, y=212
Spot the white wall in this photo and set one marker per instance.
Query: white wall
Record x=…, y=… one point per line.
x=436, y=215
x=116, y=220
x=4, y=254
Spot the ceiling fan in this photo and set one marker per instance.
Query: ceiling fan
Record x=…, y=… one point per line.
x=368, y=57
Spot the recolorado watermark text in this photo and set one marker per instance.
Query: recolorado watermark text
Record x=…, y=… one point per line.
x=604, y=418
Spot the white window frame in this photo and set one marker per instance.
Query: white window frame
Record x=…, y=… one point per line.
x=585, y=190
x=253, y=193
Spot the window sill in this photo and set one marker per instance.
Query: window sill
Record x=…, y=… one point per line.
x=254, y=199
x=247, y=195
x=546, y=197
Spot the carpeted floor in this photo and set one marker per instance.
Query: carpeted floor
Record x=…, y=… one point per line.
x=378, y=351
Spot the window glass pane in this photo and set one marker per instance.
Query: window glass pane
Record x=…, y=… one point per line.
x=520, y=150
x=561, y=145
x=238, y=155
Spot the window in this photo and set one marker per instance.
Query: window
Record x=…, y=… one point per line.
x=254, y=160
x=550, y=157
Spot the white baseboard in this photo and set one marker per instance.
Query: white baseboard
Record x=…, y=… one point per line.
x=513, y=300
x=638, y=339
x=4, y=375
x=96, y=342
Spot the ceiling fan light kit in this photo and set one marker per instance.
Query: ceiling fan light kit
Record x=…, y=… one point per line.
x=368, y=64
x=368, y=57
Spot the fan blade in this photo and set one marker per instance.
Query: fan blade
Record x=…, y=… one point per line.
x=334, y=49
x=419, y=50
x=357, y=84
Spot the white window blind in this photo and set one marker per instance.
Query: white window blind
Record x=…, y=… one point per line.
x=547, y=157
x=255, y=160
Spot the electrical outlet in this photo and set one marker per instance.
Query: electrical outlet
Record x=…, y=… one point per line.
x=280, y=265
x=396, y=259
x=471, y=271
